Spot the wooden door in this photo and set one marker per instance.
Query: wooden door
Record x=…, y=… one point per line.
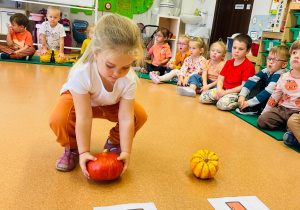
x=231, y=16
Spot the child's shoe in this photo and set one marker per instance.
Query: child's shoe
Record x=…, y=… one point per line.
x=186, y=91
x=246, y=111
x=111, y=147
x=5, y=56
x=143, y=70
x=290, y=139
x=68, y=160
x=154, y=77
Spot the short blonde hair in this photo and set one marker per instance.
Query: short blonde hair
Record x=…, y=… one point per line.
x=221, y=44
x=187, y=38
x=281, y=50
x=54, y=9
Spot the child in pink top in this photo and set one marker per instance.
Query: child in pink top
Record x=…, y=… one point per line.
x=192, y=64
x=210, y=74
x=160, y=52
x=283, y=107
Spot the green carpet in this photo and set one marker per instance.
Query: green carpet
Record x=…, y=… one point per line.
x=146, y=76
x=252, y=120
x=293, y=147
x=35, y=60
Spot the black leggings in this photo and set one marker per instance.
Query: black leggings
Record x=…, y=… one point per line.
x=151, y=67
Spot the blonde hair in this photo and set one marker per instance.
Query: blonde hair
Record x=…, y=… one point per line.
x=187, y=38
x=54, y=9
x=200, y=43
x=90, y=27
x=114, y=33
x=221, y=44
x=281, y=50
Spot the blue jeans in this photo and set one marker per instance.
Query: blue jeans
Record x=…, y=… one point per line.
x=197, y=80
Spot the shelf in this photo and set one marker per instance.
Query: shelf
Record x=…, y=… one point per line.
x=252, y=58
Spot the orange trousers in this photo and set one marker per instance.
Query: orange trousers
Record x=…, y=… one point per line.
x=62, y=120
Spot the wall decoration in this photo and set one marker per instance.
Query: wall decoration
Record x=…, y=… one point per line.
x=259, y=24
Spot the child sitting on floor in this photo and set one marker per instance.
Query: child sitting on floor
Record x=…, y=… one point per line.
x=160, y=52
x=192, y=64
x=233, y=76
x=19, y=40
x=283, y=106
x=183, y=53
x=89, y=33
x=211, y=71
x=259, y=87
x=52, y=35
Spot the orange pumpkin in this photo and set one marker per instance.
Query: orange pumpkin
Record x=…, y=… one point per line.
x=291, y=85
x=204, y=164
x=106, y=167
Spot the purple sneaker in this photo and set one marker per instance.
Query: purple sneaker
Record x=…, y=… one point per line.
x=68, y=160
x=111, y=147
x=154, y=77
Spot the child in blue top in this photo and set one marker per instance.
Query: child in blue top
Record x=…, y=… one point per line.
x=257, y=90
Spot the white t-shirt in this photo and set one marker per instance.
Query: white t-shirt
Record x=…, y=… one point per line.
x=86, y=79
x=52, y=34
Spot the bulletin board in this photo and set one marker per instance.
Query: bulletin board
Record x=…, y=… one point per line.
x=260, y=23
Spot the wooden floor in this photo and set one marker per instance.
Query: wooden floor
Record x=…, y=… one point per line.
x=251, y=162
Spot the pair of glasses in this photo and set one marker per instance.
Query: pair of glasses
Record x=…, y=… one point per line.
x=159, y=36
x=276, y=60
x=179, y=43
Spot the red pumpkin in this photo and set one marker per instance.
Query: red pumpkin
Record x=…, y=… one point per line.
x=106, y=167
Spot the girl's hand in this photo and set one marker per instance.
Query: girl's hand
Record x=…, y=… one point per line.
x=180, y=81
x=83, y=159
x=44, y=52
x=204, y=88
x=62, y=56
x=186, y=81
x=170, y=65
x=125, y=157
x=159, y=63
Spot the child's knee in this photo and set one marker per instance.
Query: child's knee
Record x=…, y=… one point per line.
x=293, y=120
x=45, y=58
x=59, y=60
x=261, y=121
x=208, y=97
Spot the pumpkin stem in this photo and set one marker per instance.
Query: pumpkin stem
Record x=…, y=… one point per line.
x=206, y=159
x=105, y=150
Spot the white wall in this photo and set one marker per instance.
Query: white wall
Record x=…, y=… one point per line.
x=189, y=6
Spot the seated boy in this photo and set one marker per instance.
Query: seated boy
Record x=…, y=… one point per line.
x=283, y=107
x=232, y=77
x=52, y=35
x=260, y=87
x=19, y=40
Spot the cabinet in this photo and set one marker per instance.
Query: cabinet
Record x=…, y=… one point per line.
x=172, y=23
